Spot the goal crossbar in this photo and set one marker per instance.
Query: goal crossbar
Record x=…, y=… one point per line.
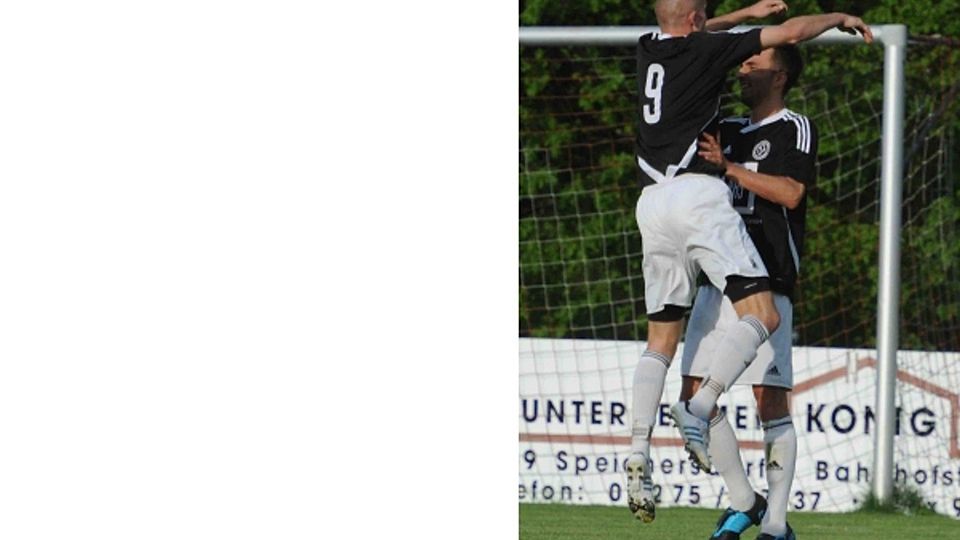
x=893, y=38
x=620, y=36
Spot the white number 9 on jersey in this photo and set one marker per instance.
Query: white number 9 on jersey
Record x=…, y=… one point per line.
x=652, y=89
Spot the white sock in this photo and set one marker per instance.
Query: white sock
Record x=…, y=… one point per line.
x=780, y=440
x=647, y=388
x=725, y=457
x=734, y=353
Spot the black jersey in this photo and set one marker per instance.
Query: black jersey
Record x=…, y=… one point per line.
x=680, y=80
x=784, y=144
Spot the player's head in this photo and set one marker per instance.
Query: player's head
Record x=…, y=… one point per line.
x=772, y=72
x=681, y=17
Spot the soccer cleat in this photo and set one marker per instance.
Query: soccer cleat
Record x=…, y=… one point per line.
x=787, y=536
x=733, y=522
x=640, y=487
x=695, y=432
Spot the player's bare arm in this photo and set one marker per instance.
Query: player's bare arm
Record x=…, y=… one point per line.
x=760, y=10
x=782, y=190
x=807, y=27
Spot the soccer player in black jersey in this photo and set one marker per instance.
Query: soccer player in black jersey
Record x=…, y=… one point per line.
x=769, y=158
x=687, y=222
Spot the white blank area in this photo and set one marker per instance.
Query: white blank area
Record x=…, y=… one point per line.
x=218, y=258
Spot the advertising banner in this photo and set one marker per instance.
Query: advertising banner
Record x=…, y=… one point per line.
x=574, y=412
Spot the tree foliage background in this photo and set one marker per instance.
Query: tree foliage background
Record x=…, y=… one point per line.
x=580, y=249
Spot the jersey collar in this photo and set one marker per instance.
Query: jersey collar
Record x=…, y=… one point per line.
x=768, y=120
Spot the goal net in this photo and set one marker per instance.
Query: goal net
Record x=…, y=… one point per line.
x=582, y=316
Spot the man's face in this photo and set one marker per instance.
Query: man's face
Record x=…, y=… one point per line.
x=760, y=76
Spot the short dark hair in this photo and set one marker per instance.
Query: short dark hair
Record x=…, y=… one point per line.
x=789, y=59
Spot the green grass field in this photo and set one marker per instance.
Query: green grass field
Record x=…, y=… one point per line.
x=559, y=522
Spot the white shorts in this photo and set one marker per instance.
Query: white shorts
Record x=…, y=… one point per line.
x=773, y=365
x=689, y=225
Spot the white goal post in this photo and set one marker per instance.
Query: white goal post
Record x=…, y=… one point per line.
x=893, y=38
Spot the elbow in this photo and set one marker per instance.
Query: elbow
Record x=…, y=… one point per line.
x=796, y=197
x=791, y=32
x=794, y=36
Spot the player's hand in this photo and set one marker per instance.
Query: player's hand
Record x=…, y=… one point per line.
x=765, y=8
x=852, y=25
x=710, y=150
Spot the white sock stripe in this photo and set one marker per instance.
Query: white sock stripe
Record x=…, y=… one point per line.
x=657, y=356
x=713, y=384
x=640, y=430
x=786, y=420
x=758, y=326
x=720, y=417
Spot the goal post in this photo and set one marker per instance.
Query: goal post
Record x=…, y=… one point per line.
x=893, y=38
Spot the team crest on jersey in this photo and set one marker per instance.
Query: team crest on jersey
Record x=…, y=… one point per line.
x=761, y=150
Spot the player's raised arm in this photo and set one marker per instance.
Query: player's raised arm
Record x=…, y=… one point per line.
x=807, y=27
x=763, y=8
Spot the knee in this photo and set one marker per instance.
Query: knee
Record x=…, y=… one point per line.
x=770, y=319
x=772, y=403
x=664, y=337
x=760, y=306
x=689, y=388
x=664, y=345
